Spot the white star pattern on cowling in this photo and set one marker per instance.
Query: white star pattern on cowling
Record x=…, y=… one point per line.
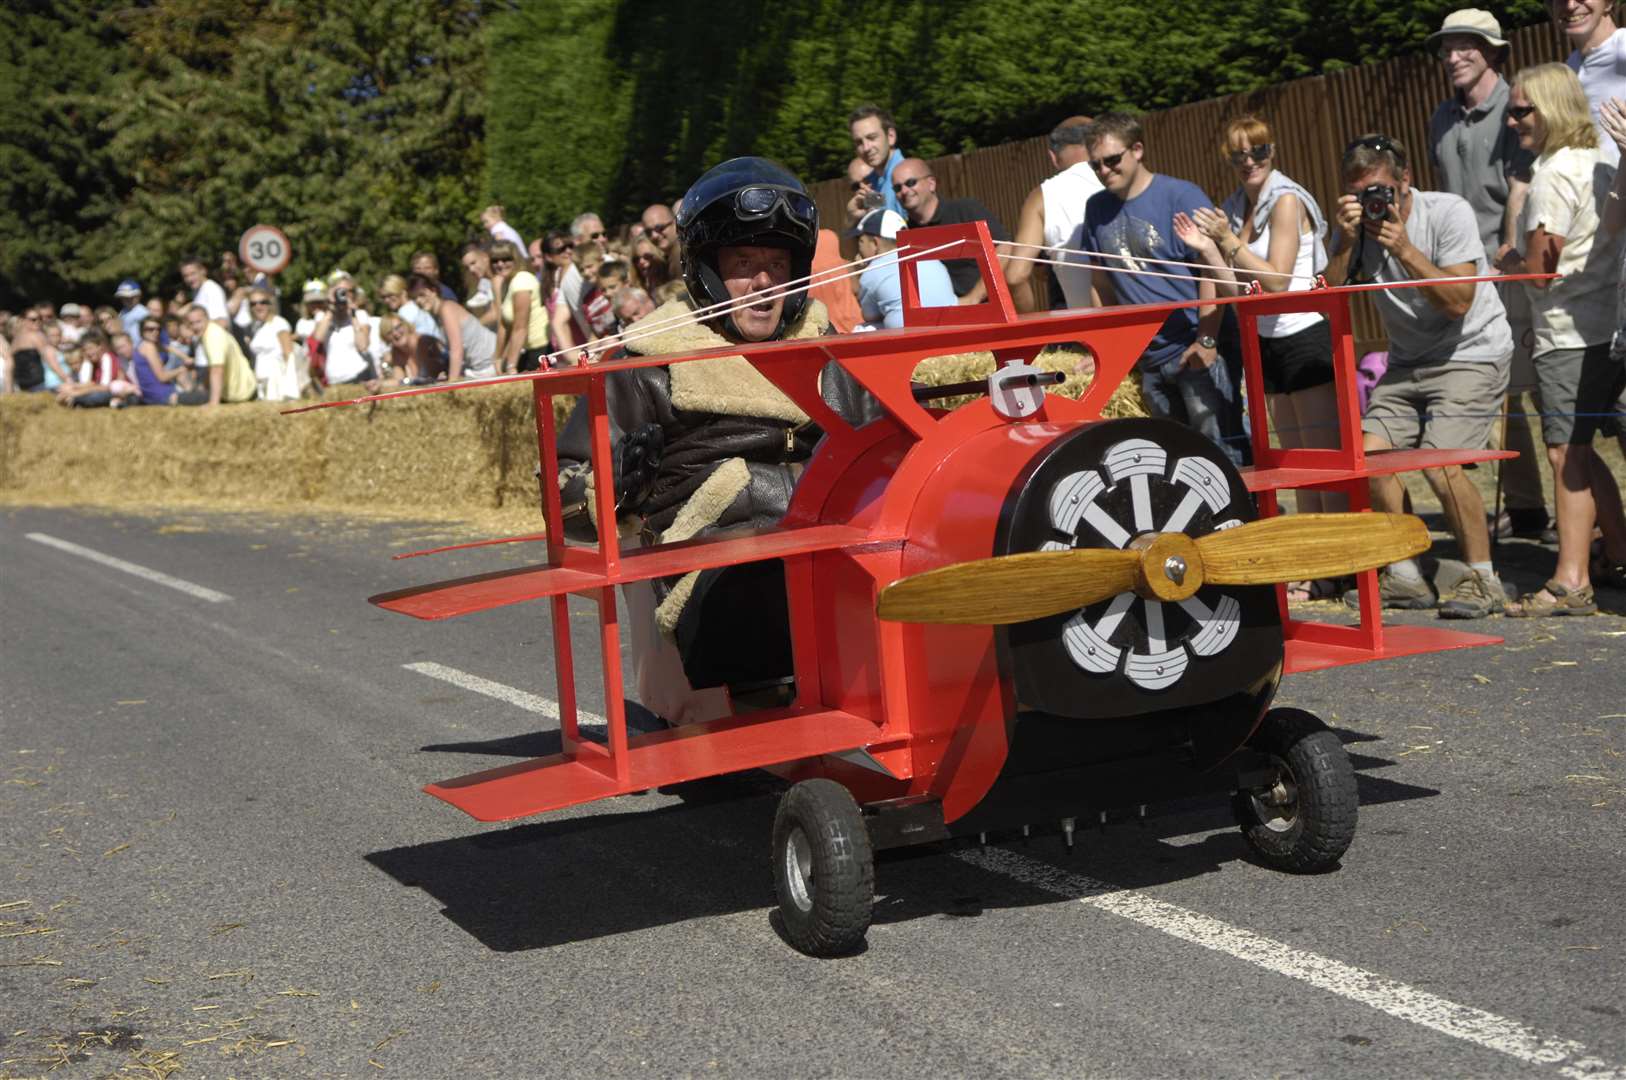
x=1073, y=504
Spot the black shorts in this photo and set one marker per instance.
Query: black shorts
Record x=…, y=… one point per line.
x=1298, y=361
x=531, y=360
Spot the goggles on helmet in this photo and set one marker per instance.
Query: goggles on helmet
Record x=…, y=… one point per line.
x=756, y=203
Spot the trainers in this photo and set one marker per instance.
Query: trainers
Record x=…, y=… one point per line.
x=1477, y=595
x=1393, y=592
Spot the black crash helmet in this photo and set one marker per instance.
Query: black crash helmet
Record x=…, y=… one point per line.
x=746, y=201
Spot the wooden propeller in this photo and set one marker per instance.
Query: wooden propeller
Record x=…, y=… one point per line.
x=1158, y=566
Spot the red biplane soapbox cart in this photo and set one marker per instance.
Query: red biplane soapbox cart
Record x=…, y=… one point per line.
x=1008, y=612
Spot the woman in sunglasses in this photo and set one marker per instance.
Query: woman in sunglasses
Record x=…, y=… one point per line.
x=158, y=381
x=1271, y=230
x=271, y=348
x=557, y=251
x=1574, y=323
x=524, y=318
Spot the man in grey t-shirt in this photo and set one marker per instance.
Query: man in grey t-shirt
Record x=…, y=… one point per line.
x=1476, y=155
x=1449, y=348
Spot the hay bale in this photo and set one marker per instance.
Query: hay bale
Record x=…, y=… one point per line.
x=440, y=457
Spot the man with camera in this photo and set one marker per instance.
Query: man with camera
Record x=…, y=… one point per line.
x=1449, y=351
x=875, y=143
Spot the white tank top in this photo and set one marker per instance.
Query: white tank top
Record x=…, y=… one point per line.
x=1280, y=326
x=1064, y=197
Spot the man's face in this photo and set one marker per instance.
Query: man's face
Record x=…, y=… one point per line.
x=1464, y=58
x=193, y=275
x=661, y=226
x=913, y=186
x=427, y=266
x=535, y=251
x=477, y=263
x=590, y=230
x=123, y=348
x=872, y=142
x=1578, y=18
x=752, y=269
x=1115, y=164
x=197, y=322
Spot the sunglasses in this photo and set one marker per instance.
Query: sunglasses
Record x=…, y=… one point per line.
x=560, y=250
x=897, y=189
x=596, y=235
x=1380, y=143
x=153, y=329
x=1259, y=154
x=259, y=303
x=1519, y=112
x=662, y=227
x=497, y=260
x=1108, y=162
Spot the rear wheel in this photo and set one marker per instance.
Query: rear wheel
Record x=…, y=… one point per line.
x=824, y=869
x=1304, y=819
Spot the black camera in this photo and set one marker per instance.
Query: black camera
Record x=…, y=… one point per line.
x=873, y=200
x=1376, y=201
x=341, y=296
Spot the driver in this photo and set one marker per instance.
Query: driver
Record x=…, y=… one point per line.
x=712, y=444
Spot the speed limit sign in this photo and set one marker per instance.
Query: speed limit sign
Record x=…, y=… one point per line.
x=264, y=248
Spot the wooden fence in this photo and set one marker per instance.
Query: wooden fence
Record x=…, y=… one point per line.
x=1313, y=120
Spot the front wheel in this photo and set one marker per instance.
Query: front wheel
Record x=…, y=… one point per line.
x=824, y=869
x=1304, y=819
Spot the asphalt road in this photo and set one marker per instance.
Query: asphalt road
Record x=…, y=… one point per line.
x=215, y=861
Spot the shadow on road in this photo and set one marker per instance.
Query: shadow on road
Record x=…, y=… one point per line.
x=628, y=868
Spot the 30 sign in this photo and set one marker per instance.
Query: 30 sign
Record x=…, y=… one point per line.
x=265, y=249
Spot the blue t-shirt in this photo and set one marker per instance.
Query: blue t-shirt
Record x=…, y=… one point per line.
x=880, y=290
x=1143, y=228
x=881, y=180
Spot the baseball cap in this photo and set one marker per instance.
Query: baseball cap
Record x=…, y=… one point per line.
x=1473, y=22
x=68, y=310
x=128, y=287
x=315, y=289
x=881, y=222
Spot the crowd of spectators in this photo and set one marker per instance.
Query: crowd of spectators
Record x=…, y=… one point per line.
x=1530, y=175
x=516, y=306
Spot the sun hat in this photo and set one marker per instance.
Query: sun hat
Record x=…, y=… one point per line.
x=128, y=287
x=1472, y=22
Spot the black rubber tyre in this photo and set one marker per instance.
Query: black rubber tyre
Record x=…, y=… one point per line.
x=1306, y=823
x=824, y=870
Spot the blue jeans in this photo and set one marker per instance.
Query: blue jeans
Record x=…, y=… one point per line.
x=1206, y=401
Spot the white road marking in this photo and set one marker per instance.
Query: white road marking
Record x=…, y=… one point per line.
x=1485, y=1029
x=131, y=568
x=502, y=692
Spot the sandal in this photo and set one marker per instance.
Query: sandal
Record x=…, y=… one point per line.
x=1553, y=598
x=1609, y=574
